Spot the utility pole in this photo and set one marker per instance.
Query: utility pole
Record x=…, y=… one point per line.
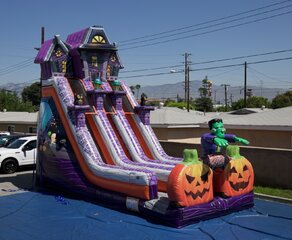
x=245, y=81
x=43, y=35
x=187, y=80
x=261, y=81
x=225, y=90
x=215, y=102
x=231, y=99
x=188, y=89
x=42, y=42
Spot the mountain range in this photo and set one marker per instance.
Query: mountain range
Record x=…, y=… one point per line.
x=233, y=93
x=175, y=90
x=16, y=87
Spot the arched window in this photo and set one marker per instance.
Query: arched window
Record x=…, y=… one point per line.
x=98, y=39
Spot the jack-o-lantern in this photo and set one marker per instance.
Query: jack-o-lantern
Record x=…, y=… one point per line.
x=237, y=177
x=190, y=182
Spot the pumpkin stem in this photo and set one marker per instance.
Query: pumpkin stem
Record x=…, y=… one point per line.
x=232, y=151
x=190, y=157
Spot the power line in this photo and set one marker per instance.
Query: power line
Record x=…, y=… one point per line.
x=207, y=32
x=212, y=61
x=150, y=69
x=16, y=67
x=246, y=56
x=207, y=22
x=206, y=27
x=212, y=68
x=148, y=75
x=274, y=80
x=271, y=60
x=17, y=64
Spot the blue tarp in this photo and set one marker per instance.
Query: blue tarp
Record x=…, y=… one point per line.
x=35, y=215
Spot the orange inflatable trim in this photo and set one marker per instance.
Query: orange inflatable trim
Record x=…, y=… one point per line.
x=134, y=190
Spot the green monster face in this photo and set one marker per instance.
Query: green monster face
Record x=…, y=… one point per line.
x=218, y=129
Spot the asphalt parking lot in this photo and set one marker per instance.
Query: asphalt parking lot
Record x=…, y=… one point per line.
x=18, y=182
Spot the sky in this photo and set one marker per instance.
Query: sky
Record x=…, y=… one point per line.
x=161, y=32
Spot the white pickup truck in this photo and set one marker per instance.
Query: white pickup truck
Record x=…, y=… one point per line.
x=20, y=152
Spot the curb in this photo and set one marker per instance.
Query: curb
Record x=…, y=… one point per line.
x=273, y=198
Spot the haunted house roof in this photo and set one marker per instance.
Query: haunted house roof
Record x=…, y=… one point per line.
x=90, y=38
x=47, y=49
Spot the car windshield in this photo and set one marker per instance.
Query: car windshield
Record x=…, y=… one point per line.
x=16, y=144
x=3, y=140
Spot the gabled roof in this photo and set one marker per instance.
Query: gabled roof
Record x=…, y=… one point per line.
x=82, y=39
x=48, y=47
x=77, y=38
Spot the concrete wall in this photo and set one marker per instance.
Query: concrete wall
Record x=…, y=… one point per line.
x=24, y=128
x=272, y=167
x=257, y=138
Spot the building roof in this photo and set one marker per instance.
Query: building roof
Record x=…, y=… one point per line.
x=273, y=119
x=43, y=51
x=82, y=39
x=174, y=116
x=18, y=117
x=244, y=111
x=277, y=119
x=47, y=48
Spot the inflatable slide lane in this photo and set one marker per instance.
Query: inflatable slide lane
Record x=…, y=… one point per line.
x=96, y=142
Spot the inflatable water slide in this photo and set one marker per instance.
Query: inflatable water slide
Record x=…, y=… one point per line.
x=95, y=140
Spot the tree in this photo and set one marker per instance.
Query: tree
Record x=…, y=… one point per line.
x=181, y=105
x=32, y=94
x=138, y=86
x=282, y=100
x=11, y=102
x=251, y=102
x=204, y=103
x=204, y=89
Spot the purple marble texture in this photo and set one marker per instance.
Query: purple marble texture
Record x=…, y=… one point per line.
x=79, y=115
x=158, y=146
x=119, y=150
x=144, y=113
x=87, y=84
x=117, y=102
x=151, y=134
x=122, y=158
x=76, y=39
x=43, y=52
x=180, y=217
x=84, y=137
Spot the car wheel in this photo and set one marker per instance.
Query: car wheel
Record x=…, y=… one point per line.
x=9, y=166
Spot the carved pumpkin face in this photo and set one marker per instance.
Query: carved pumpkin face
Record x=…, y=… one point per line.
x=196, y=182
x=190, y=183
x=236, y=179
x=239, y=173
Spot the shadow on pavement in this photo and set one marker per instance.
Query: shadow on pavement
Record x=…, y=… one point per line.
x=22, y=180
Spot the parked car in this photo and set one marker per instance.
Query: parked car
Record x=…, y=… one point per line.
x=20, y=152
x=7, y=139
x=4, y=133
